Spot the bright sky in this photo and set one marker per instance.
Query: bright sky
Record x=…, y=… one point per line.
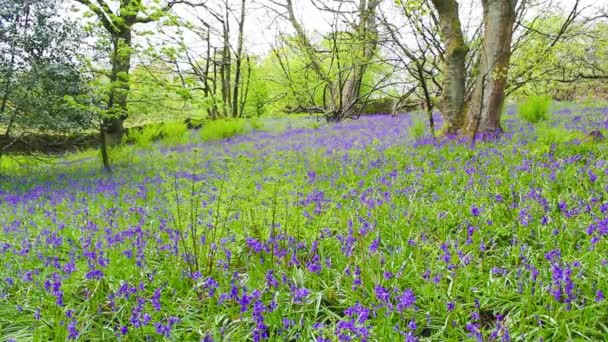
x=262, y=26
x=262, y=29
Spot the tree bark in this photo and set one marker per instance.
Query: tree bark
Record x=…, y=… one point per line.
x=245, y=90
x=315, y=61
x=103, y=146
x=120, y=27
x=226, y=70
x=427, y=98
x=486, y=105
x=238, y=63
x=456, y=50
x=215, y=72
x=367, y=39
x=119, y=83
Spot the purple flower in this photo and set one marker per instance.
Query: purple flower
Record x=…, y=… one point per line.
x=382, y=294
x=553, y=255
x=271, y=281
x=95, y=274
x=300, y=294
x=475, y=211
x=451, y=306
x=412, y=325
x=287, y=323
x=72, y=331
x=156, y=299
x=374, y=245
x=210, y=285
x=592, y=176
x=599, y=296
x=406, y=300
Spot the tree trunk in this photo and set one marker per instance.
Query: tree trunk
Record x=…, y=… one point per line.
x=456, y=50
x=103, y=146
x=315, y=62
x=367, y=39
x=215, y=110
x=428, y=103
x=207, y=84
x=226, y=65
x=119, y=83
x=486, y=105
x=245, y=89
x=238, y=62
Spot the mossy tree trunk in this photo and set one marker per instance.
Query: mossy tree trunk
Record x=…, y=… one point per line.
x=456, y=50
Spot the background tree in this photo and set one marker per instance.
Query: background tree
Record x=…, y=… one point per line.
x=119, y=24
x=342, y=79
x=39, y=69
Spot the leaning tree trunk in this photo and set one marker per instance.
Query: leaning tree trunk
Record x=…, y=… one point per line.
x=367, y=32
x=456, y=50
x=314, y=60
x=486, y=105
x=119, y=82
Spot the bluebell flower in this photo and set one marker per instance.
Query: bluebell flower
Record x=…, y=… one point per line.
x=72, y=331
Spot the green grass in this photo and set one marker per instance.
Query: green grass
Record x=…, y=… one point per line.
x=328, y=208
x=174, y=132
x=535, y=109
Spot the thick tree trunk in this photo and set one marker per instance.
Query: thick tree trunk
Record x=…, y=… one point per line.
x=486, y=105
x=456, y=50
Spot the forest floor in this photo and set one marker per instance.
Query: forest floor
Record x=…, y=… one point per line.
x=362, y=230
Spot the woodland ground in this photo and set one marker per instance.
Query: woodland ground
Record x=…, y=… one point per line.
x=362, y=230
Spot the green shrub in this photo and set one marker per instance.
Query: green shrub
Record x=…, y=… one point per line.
x=547, y=137
x=222, y=129
x=144, y=136
x=256, y=123
x=418, y=128
x=174, y=132
x=535, y=109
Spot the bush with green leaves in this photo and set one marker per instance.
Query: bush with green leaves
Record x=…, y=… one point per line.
x=174, y=132
x=418, y=128
x=223, y=129
x=39, y=70
x=143, y=136
x=535, y=109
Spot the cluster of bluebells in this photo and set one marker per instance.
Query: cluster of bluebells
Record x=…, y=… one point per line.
x=350, y=232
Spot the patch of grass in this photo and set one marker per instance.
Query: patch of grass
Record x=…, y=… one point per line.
x=348, y=231
x=143, y=136
x=174, y=132
x=535, y=109
x=418, y=128
x=223, y=129
x=548, y=135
